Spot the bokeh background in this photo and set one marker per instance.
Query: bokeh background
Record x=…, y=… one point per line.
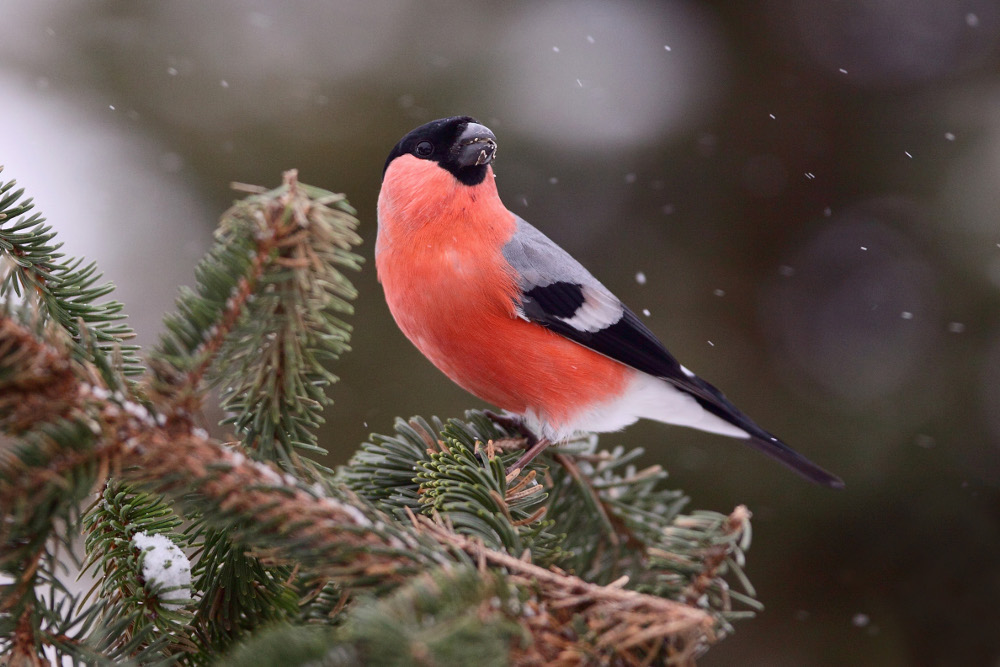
x=803, y=198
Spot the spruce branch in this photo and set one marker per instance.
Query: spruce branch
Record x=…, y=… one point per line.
x=365, y=550
x=59, y=411
x=736, y=525
x=383, y=470
x=470, y=487
x=41, y=619
x=241, y=591
x=631, y=627
x=68, y=417
x=424, y=544
x=267, y=304
x=65, y=290
x=614, y=519
x=266, y=317
x=112, y=526
x=434, y=619
x=273, y=514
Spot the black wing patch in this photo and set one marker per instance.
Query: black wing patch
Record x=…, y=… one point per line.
x=627, y=340
x=552, y=301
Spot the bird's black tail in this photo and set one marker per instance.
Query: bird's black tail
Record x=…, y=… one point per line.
x=782, y=453
x=715, y=402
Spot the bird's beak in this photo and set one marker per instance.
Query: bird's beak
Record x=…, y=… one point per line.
x=475, y=146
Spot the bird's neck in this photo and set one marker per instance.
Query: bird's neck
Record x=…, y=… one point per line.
x=421, y=203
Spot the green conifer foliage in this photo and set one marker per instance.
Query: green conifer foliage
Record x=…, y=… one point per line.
x=426, y=548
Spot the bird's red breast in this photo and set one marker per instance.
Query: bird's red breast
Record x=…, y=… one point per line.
x=440, y=261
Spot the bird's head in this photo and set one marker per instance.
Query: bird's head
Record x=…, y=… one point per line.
x=460, y=145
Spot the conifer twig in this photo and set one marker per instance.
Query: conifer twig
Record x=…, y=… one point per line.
x=735, y=523
x=616, y=529
x=23, y=649
x=63, y=290
x=265, y=243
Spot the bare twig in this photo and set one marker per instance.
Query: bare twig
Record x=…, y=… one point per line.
x=716, y=556
x=631, y=625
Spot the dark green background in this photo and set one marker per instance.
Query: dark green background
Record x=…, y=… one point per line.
x=811, y=190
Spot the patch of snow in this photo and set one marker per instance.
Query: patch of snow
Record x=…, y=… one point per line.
x=165, y=567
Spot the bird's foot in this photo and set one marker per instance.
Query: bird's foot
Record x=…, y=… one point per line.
x=531, y=443
x=514, y=424
x=533, y=451
x=508, y=445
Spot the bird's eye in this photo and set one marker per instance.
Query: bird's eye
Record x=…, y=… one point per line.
x=424, y=149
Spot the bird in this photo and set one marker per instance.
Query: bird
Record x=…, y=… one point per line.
x=515, y=320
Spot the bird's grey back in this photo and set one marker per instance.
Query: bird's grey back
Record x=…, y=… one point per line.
x=540, y=262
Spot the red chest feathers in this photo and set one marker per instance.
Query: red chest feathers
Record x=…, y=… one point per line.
x=439, y=259
x=439, y=255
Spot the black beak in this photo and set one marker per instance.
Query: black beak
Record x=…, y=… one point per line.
x=475, y=146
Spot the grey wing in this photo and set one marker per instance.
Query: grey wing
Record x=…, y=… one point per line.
x=559, y=293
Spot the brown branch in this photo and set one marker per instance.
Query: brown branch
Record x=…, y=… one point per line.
x=43, y=386
x=23, y=650
x=41, y=382
x=24, y=581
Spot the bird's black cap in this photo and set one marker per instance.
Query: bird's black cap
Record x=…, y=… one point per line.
x=460, y=144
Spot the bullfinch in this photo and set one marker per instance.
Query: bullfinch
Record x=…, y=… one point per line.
x=512, y=318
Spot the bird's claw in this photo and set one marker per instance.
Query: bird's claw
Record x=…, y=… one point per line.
x=513, y=424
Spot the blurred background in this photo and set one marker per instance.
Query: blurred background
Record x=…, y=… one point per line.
x=802, y=198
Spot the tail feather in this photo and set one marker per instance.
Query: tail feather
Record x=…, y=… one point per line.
x=715, y=402
x=784, y=454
